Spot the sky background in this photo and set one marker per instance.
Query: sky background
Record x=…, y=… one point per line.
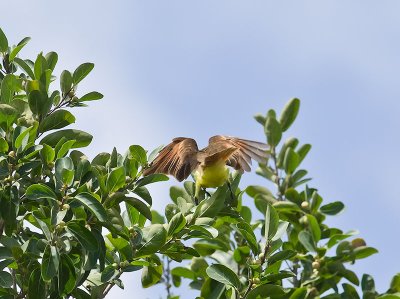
x=200, y=68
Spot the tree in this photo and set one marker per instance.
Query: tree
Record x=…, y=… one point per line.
x=71, y=227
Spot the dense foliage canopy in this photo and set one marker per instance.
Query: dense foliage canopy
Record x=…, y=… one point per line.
x=71, y=227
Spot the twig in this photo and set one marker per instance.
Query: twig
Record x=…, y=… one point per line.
x=276, y=173
x=111, y=284
x=167, y=277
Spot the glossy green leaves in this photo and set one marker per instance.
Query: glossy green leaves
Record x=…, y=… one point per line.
x=224, y=275
x=289, y=113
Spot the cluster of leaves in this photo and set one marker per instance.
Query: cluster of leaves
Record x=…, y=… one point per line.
x=290, y=245
x=70, y=227
x=63, y=231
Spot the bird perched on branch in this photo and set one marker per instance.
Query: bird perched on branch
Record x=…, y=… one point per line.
x=182, y=157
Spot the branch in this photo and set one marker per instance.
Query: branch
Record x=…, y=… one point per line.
x=111, y=284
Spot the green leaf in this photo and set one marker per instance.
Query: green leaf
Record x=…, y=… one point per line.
x=282, y=228
x=50, y=263
x=387, y=296
x=5, y=253
x=108, y=273
x=254, y=191
x=23, y=65
x=40, y=66
x=271, y=222
x=82, y=138
x=67, y=275
x=206, y=230
x=3, y=145
x=176, y=192
x=154, y=237
x=364, y=251
x=273, y=291
x=314, y=228
x=307, y=241
x=395, y=283
x=65, y=147
x=273, y=131
x=140, y=206
x=350, y=276
x=57, y=120
x=91, y=96
x=8, y=114
x=137, y=153
x=176, y=224
x=133, y=214
x=3, y=42
x=51, y=58
x=247, y=232
x=123, y=246
x=39, y=191
x=83, y=235
x=289, y=113
x=212, y=289
x=81, y=72
x=91, y=203
x=350, y=291
x=47, y=154
x=291, y=161
x=299, y=293
x=280, y=256
x=210, y=207
x=223, y=275
x=65, y=82
x=37, y=102
x=260, y=119
x=303, y=151
x=151, y=275
x=332, y=208
x=367, y=283
x=22, y=140
x=144, y=194
x=6, y=279
x=116, y=179
x=152, y=178
x=18, y=48
x=37, y=287
x=7, y=88
x=183, y=272
x=64, y=170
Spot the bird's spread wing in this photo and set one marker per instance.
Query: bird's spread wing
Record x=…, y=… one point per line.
x=240, y=159
x=179, y=158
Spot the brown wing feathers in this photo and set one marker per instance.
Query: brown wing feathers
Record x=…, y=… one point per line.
x=246, y=150
x=179, y=158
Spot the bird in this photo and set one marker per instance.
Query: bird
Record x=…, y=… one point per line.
x=208, y=166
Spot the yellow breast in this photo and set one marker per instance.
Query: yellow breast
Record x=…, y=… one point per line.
x=212, y=176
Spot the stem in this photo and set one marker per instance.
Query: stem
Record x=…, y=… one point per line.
x=296, y=282
x=111, y=284
x=62, y=103
x=266, y=250
x=250, y=284
x=276, y=173
x=167, y=277
x=14, y=280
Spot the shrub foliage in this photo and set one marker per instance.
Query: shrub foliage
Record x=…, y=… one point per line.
x=71, y=226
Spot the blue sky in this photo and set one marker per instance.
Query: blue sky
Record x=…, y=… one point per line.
x=200, y=68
